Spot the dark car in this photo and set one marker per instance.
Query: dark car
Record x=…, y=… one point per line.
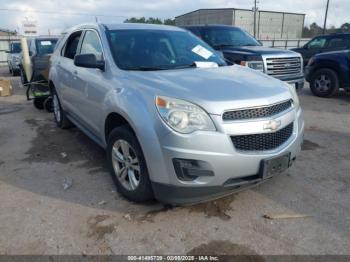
x=239, y=47
x=328, y=72
x=40, y=49
x=322, y=44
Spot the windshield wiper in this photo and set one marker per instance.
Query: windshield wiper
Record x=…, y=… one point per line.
x=184, y=66
x=222, y=45
x=146, y=68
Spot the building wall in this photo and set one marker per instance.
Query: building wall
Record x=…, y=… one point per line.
x=244, y=19
x=202, y=17
x=269, y=25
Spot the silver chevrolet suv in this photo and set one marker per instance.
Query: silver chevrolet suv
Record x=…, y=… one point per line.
x=178, y=124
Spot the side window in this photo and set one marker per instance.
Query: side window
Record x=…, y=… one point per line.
x=72, y=45
x=92, y=45
x=318, y=43
x=338, y=43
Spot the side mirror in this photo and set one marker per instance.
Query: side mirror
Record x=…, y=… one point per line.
x=306, y=46
x=261, y=43
x=89, y=61
x=8, y=52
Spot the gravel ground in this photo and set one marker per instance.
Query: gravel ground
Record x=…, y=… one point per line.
x=39, y=217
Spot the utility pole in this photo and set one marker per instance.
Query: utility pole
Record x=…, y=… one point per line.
x=325, y=18
x=255, y=9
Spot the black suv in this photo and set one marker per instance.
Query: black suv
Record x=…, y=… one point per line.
x=239, y=47
x=328, y=72
x=324, y=43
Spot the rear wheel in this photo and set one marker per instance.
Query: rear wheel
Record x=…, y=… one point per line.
x=38, y=102
x=60, y=117
x=48, y=105
x=324, y=83
x=128, y=166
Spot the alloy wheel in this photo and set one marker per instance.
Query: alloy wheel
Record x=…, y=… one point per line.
x=126, y=165
x=323, y=83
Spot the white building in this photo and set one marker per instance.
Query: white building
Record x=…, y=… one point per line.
x=269, y=24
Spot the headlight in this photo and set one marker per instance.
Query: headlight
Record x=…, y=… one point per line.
x=184, y=117
x=294, y=95
x=256, y=65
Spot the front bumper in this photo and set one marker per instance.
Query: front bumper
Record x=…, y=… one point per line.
x=297, y=82
x=233, y=170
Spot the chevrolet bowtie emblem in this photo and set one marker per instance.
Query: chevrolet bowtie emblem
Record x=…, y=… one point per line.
x=272, y=125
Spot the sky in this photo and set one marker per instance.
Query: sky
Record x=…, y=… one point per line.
x=61, y=14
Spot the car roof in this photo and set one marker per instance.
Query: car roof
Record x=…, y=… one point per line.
x=209, y=26
x=141, y=26
x=124, y=26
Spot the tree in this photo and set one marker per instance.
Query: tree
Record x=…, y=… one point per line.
x=150, y=20
x=169, y=21
x=345, y=28
x=315, y=30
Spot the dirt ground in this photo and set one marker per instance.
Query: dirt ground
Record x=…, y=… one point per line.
x=39, y=217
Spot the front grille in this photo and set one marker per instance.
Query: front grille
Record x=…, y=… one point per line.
x=258, y=112
x=283, y=66
x=262, y=142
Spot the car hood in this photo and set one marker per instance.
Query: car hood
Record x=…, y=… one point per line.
x=256, y=50
x=214, y=89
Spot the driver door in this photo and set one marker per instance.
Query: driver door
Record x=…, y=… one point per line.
x=92, y=84
x=315, y=46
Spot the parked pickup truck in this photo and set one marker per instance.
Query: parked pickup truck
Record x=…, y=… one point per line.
x=241, y=48
x=328, y=72
x=13, y=58
x=178, y=123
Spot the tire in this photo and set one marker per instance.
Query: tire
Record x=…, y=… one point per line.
x=38, y=103
x=324, y=83
x=60, y=116
x=48, y=104
x=133, y=183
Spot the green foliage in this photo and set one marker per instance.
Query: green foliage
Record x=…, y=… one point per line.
x=315, y=30
x=150, y=20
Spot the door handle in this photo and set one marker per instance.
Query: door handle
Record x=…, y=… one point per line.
x=75, y=72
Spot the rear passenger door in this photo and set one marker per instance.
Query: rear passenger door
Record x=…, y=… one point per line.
x=338, y=43
x=67, y=90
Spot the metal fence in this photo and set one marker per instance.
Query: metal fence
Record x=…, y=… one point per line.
x=285, y=43
x=279, y=43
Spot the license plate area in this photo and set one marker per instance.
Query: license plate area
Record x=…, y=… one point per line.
x=274, y=166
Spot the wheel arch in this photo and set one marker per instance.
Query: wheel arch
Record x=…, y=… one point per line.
x=114, y=120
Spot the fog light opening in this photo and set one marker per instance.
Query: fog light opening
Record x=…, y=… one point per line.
x=190, y=170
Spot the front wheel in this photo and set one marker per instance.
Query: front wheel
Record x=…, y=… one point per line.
x=128, y=166
x=324, y=83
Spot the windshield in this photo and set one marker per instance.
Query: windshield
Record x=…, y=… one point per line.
x=221, y=37
x=15, y=48
x=45, y=46
x=159, y=50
